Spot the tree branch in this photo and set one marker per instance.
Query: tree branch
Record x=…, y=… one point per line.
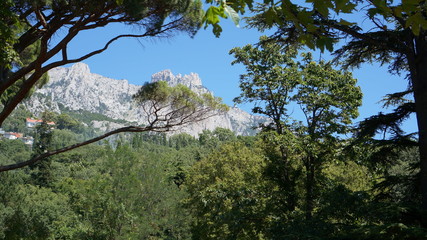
x=198, y=114
x=65, y=149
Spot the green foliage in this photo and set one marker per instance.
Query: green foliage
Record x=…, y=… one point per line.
x=7, y=37
x=274, y=80
x=297, y=150
x=182, y=140
x=217, y=186
x=180, y=98
x=13, y=151
x=167, y=107
x=354, y=177
x=212, y=139
x=270, y=79
x=229, y=194
x=395, y=36
x=86, y=117
x=40, y=214
x=223, y=9
x=41, y=171
x=329, y=98
x=129, y=197
x=65, y=121
x=96, y=192
x=16, y=122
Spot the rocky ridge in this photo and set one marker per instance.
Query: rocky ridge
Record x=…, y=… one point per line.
x=76, y=88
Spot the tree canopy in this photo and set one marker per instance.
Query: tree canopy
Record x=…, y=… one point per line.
x=328, y=98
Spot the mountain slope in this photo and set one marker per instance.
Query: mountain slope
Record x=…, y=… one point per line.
x=77, y=89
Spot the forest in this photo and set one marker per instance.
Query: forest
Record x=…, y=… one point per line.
x=318, y=175
x=215, y=186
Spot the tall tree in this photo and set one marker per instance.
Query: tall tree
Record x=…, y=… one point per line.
x=43, y=143
x=28, y=28
x=328, y=98
x=269, y=82
x=396, y=35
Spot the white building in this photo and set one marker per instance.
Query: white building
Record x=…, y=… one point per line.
x=13, y=135
x=30, y=123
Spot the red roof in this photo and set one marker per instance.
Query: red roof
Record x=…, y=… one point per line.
x=39, y=121
x=34, y=120
x=17, y=135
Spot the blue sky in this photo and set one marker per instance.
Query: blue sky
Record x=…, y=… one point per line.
x=136, y=60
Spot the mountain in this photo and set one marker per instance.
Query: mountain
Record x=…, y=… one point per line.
x=77, y=89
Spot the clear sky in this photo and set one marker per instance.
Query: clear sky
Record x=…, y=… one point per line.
x=136, y=60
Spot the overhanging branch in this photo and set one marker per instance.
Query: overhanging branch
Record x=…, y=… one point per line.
x=65, y=149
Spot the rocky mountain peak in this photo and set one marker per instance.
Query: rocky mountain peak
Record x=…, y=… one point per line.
x=76, y=88
x=80, y=69
x=190, y=80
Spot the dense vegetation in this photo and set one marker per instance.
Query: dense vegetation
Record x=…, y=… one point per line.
x=315, y=177
x=215, y=186
x=296, y=179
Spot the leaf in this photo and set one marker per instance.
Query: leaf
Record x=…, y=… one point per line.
x=410, y=5
x=211, y=15
x=232, y=14
x=329, y=43
x=414, y=22
x=398, y=11
x=346, y=23
x=305, y=17
x=373, y=11
x=270, y=16
x=322, y=6
x=307, y=40
x=344, y=6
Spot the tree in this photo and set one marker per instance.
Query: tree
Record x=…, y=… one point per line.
x=166, y=108
x=30, y=30
x=229, y=194
x=127, y=196
x=396, y=35
x=65, y=121
x=271, y=78
x=328, y=98
x=33, y=32
x=269, y=82
x=43, y=143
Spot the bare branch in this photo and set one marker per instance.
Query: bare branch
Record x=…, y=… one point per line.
x=40, y=17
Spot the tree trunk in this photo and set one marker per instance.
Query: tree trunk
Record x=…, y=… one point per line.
x=418, y=69
x=3, y=74
x=287, y=181
x=309, y=187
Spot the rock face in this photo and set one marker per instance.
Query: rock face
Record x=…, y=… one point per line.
x=76, y=88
